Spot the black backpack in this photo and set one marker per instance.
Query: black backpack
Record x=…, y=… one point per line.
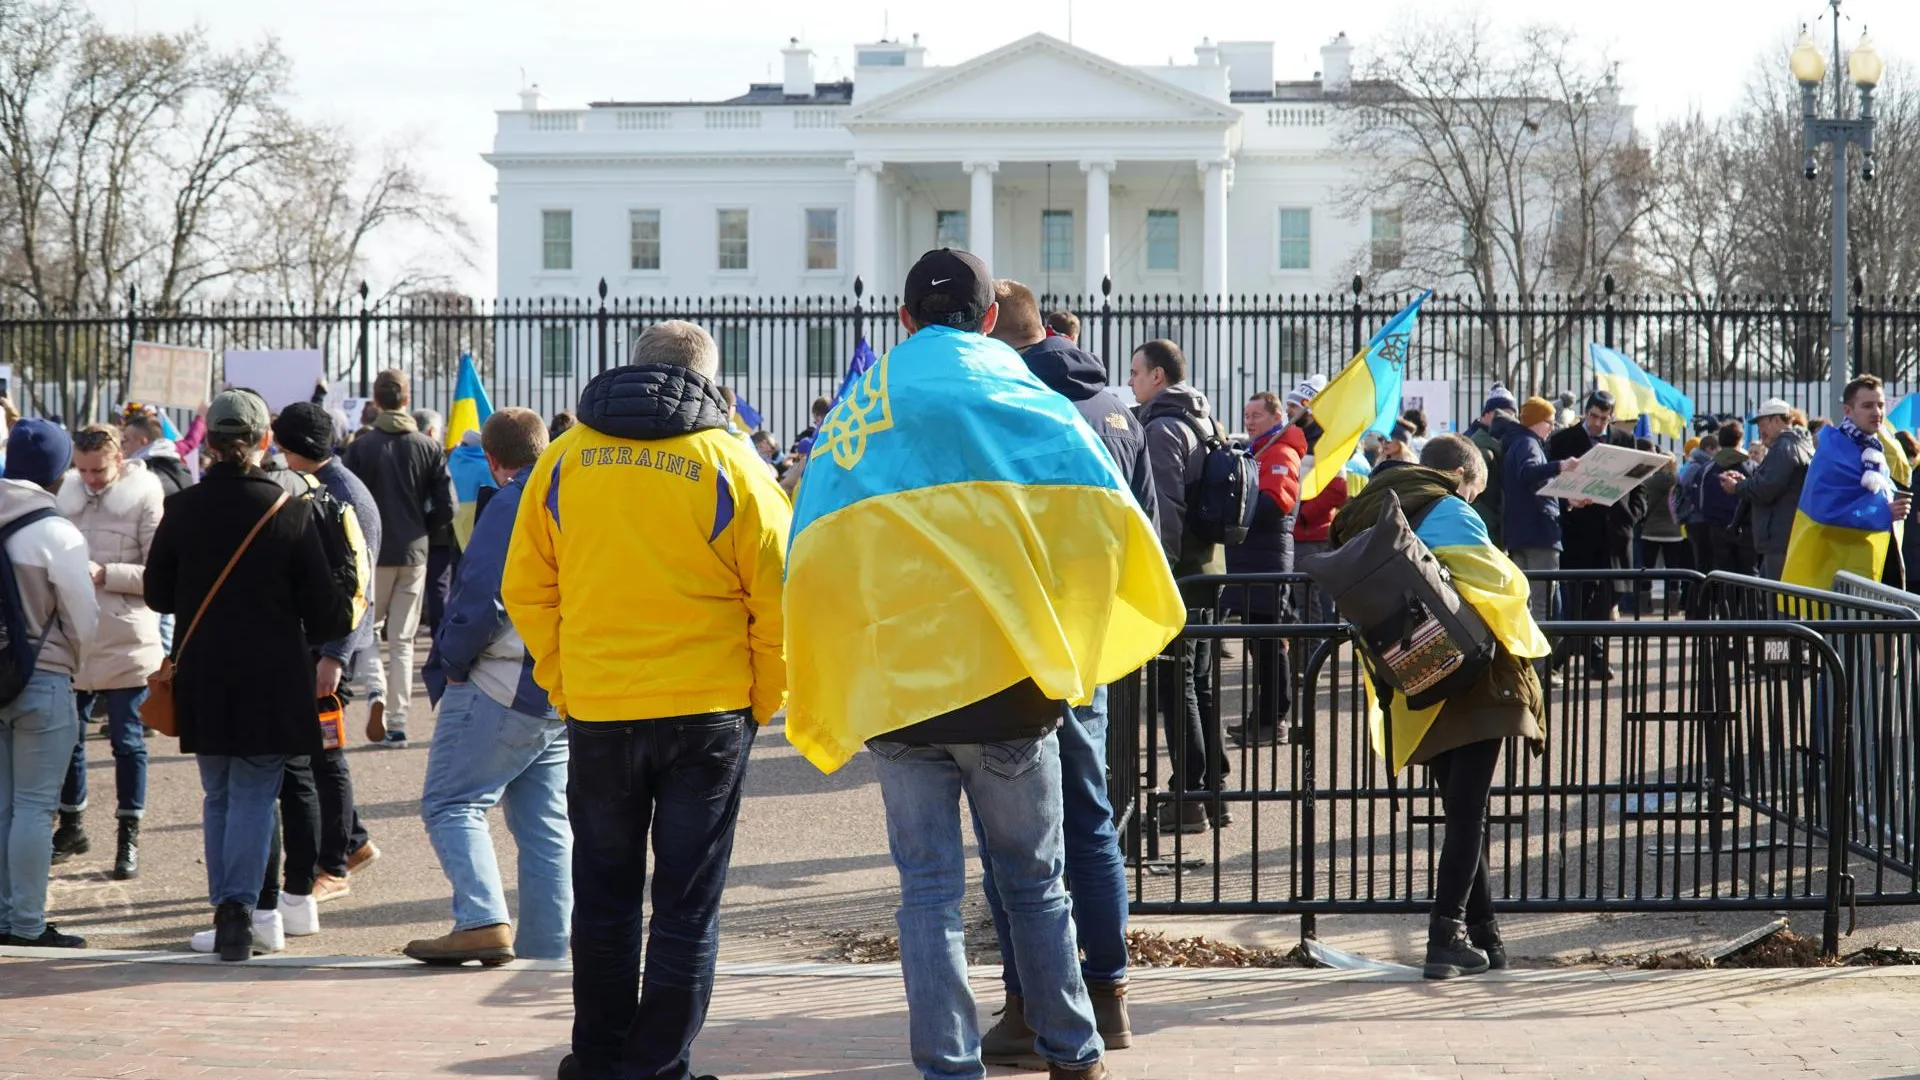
x=348, y=561
x=19, y=653
x=1221, y=504
x=1417, y=632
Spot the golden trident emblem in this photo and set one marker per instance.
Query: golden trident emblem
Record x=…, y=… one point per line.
x=865, y=412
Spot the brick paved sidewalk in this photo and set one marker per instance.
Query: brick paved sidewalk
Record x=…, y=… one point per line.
x=67, y=1016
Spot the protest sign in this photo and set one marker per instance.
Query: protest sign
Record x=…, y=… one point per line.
x=1605, y=474
x=1434, y=397
x=281, y=376
x=173, y=375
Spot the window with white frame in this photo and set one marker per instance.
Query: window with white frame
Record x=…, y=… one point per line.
x=1056, y=240
x=556, y=352
x=643, y=239
x=1296, y=239
x=556, y=239
x=823, y=239
x=732, y=232
x=950, y=229
x=1163, y=240
x=1389, y=249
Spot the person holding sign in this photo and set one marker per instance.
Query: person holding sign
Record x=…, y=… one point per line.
x=1594, y=537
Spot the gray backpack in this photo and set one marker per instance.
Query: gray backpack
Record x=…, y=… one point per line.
x=1419, y=635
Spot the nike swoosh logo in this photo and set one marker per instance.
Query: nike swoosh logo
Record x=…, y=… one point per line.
x=940, y=281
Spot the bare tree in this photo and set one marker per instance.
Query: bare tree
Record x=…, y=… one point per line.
x=1513, y=169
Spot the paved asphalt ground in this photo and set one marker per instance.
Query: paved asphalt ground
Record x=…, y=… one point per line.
x=810, y=868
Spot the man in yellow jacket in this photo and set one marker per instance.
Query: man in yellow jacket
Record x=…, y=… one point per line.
x=645, y=576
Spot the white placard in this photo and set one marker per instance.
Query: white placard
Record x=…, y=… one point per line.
x=1433, y=397
x=282, y=376
x=169, y=375
x=1605, y=474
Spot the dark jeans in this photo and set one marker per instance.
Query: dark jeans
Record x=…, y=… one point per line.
x=1672, y=555
x=129, y=751
x=677, y=780
x=1187, y=713
x=1461, y=890
x=1591, y=600
x=441, y=563
x=1273, y=685
x=322, y=825
x=1700, y=542
x=1096, y=873
x=1732, y=550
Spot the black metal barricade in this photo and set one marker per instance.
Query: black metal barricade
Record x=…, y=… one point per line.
x=1694, y=775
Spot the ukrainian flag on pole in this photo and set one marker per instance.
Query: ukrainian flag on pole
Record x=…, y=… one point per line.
x=465, y=460
x=470, y=407
x=1364, y=397
x=1660, y=408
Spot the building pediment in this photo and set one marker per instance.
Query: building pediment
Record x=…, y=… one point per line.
x=1040, y=81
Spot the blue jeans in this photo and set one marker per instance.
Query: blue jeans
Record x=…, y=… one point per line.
x=676, y=781
x=1096, y=872
x=37, y=730
x=484, y=753
x=237, y=820
x=129, y=740
x=1014, y=789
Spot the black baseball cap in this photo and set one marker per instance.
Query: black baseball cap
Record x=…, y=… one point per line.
x=948, y=287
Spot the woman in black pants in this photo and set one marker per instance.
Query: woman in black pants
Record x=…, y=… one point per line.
x=1460, y=739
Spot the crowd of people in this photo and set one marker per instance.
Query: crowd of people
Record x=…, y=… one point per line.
x=259, y=571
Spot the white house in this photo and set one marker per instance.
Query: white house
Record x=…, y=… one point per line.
x=1057, y=165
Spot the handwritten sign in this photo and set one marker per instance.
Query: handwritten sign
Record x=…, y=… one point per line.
x=169, y=375
x=1605, y=474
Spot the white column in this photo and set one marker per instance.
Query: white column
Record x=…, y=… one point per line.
x=903, y=256
x=1213, y=239
x=980, y=210
x=866, y=222
x=1099, y=227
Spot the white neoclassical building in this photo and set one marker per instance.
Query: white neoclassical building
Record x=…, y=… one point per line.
x=1060, y=166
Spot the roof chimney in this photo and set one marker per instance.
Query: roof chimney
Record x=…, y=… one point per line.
x=530, y=99
x=1206, y=54
x=799, y=80
x=1336, y=65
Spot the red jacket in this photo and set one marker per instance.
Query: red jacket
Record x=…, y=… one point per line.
x=1316, y=514
x=1279, y=457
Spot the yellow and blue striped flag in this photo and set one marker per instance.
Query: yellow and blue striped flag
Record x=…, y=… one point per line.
x=470, y=407
x=960, y=530
x=1660, y=408
x=465, y=461
x=1364, y=397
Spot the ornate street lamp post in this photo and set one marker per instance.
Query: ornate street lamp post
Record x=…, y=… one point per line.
x=1864, y=68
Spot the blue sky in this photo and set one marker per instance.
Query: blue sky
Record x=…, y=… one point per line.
x=433, y=71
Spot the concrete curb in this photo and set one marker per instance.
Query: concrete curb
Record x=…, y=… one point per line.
x=892, y=971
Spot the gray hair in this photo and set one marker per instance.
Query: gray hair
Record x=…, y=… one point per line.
x=428, y=421
x=679, y=343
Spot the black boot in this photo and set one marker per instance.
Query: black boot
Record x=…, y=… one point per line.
x=70, y=838
x=126, y=854
x=233, y=931
x=1448, y=954
x=1485, y=936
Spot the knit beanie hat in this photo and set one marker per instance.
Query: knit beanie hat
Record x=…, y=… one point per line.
x=38, y=451
x=1303, y=394
x=305, y=428
x=1499, y=398
x=1534, y=410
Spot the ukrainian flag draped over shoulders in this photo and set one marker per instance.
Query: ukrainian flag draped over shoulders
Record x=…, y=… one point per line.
x=1364, y=397
x=960, y=529
x=466, y=462
x=1845, y=520
x=1658, y=406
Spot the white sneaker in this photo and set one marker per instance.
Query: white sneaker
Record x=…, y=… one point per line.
x=268, y=934
x=299, y=915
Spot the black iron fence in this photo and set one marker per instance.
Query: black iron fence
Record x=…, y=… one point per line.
x=1762, y=759
x=1729, y=354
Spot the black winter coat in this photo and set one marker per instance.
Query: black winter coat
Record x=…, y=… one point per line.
x=1597, y=536
x=244, y=680
x=1527, y=518
x=407, y=476
x=1081, y=378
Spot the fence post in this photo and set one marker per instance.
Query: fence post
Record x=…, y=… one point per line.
x=1606, y=286
x=1106, y=318
x=1359, y=319
x=600, y=317
x=366, y=354
x=1859, y=324
x=859, y=311
x=133, y=333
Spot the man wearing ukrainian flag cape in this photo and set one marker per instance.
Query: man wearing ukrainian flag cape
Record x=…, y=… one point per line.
x=466, y=462
x=966, y=561
x=1851, y=503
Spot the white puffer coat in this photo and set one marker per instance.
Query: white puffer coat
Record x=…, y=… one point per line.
x=118, y=524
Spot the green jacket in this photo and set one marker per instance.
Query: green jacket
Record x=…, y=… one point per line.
x=1491, y=503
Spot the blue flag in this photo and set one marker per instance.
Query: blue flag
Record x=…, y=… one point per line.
x=862, y=362
x=750, y=417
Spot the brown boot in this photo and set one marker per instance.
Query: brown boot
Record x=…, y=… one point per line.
x=1110, y=1013
x=1010, y=1042
x=491, y=945
x=1096, y=1071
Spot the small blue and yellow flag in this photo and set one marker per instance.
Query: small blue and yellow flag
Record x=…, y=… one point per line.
x=1364, y=397
x=470, y=407
x=1660, y=408
x=1845, y=519
x=960, y=530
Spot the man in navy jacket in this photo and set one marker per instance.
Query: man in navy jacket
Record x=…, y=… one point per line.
x=498, y=739
x=1530, y=520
